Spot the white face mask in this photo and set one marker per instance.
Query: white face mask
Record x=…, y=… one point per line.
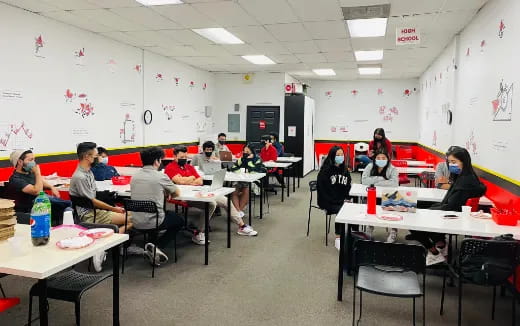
x=103, y=160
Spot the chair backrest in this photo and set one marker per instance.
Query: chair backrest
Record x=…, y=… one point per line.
x=495, y=249
x=81, y=202
x=427, y=178
x=405, y=256
x=473, y=202
x=313, y=185
x=142, y=206
x=399, y=163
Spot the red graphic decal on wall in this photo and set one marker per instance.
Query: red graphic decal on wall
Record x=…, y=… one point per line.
x=80, y=53
x=204, y=86
x=138, y=68
x=38, y=44
x=467, y=52
x=14, y=131
x=192, y=84
x=482, y=45
x=380, y=91
x=158, y=77
x=471, y=144
x=177, y=79
x=501, y=29
x=407, y=91
x=85, y=110
x=328, y=94
x=354, y=92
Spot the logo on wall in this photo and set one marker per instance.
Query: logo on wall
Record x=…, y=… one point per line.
x=503, y=104
x=127, y=132
x=168, y=110
x=38, y=46
x=261, y=125
x=501, y=29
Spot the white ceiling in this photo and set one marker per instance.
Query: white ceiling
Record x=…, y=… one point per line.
x=299, y=35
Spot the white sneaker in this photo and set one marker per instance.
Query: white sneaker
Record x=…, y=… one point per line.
x=337, y=243
x=392, y=236
x=432, y=259
x=199, y=238
x=247, y=230
x=160, y=256
x=98, y=259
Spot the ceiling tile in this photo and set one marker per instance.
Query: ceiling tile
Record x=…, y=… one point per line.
x=336, y=45
x=326, y=30
x=71, y=4
x=271, y=48
x=338, y=56
x=152, y=38
x=32, y=5
x=107, y=18
x=68, y=18
x=284, y=58
x=289, y=32
x=312, y=10
x=226, y=13
x=180, y=51
x=240, y=49
x=210, y=50
x=114, y=3
x=311, y=58
x=186, y=37
x=269, y=11
x=252, y=34
x=343, y=65
x=145, y=16
x=302, y=47
x=186, y=16
x=122, y=37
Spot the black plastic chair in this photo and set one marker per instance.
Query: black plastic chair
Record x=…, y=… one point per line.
x=70, y=285
x=144, y=206
x=503, y=252
x=389, y=269
x=84, y=203
x=427, y=179
x=313, y=187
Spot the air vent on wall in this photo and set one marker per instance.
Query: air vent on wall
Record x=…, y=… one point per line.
x=366, y=12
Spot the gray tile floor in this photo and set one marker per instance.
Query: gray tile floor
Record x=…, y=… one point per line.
x=280, y=277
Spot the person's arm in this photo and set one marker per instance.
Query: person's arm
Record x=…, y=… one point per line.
x=38, y=184
x=169, y=187
x=367, y=179
x=349, y=185
x=393, y=178
x=442, y=176
x=104, y=206
x=180, y=180
x=371, y=149
x=53, y=190
x=389, y=149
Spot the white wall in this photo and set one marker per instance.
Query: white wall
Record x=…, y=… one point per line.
x=476, y=87
x=354, y=108
x=113, y=78
x=264, y=89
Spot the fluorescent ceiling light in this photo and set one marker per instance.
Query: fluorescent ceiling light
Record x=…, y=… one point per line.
x=372, y=27
x=218, y=35
x=369, y=70
x=159, y=2
x=259, y=59
x=324, y=72
x=369, y=55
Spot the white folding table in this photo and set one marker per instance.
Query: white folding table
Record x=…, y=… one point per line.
x=296, y=160
x=283, y=166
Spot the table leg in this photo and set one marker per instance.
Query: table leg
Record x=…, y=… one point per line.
x=115, y=285
x=229, y=220
x=250, y=195
x=341, y=262
x=294, y=178
x=283, y=178
x=262, y=197
x=288, y=185
x=42, y=306
x=301, y=162
x=206, y=233
x=349, y=249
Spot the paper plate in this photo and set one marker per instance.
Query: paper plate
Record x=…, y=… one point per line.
x=97, y=233
x=390, y=217
x=205, y=195
x=6, y=203
x=75, y=242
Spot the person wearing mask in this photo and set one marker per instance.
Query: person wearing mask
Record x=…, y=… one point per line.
x=269, y=153
x=334, y=183
x=180, y=172
x=465, y=185
x=101, y=170
x=150, y=184
x=276, y=143
x=207, y=155
x=249, y=162
x=25, y=185
x=377, y=144
x=442, y=173
x=83, y=184
x=381, y=173
x=221, y=145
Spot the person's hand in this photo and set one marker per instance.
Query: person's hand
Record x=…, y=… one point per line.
x=371, y=152
x=442, y=179
x=55, y=192
x=36, y=169
x=117, y=209
x=191, y=178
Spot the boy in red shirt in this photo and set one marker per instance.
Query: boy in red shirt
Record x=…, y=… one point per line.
x=269, y=153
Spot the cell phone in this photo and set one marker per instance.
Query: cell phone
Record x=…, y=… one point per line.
x=450, y=216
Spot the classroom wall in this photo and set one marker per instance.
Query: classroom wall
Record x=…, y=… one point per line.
x=480, y=92
x=263, y=89
x=61, y=85
x=351, y=110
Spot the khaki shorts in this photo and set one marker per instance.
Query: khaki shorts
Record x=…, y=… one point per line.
x=102, y=217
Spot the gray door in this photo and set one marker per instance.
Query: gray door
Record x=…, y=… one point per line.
x=261, y=120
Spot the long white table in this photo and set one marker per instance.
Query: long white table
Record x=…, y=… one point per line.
x=413, y=170
x=282, y=166
x=295, y=160
x=127, y=170
x=44, y=261
x=423, y=220
x=423, y=194
x=412, y=163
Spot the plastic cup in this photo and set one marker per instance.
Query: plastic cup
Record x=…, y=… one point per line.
x=466, y=210
x=68, y=218
x=18, y=246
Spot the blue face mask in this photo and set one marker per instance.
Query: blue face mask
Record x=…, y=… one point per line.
x=381, y=163
x=339, y=159
x=29, y=166
x=454, y=168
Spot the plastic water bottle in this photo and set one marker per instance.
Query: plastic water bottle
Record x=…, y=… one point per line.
x=41, y=220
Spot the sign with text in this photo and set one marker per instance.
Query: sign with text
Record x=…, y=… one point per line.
x=407, y=35
x=261, y=124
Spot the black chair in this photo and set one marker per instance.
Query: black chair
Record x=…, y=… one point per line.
x=427, y=179
x=144, y=206
x=84, y=203
x=477, y=255
x=1, y=288
x=70, y=285
x=313, y=187
x=389, y=269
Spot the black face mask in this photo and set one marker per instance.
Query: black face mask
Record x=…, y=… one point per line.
x=208, y=154
x=221, y=142
x=181, y=161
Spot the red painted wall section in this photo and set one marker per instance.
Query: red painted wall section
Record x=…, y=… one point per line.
x=235, y=148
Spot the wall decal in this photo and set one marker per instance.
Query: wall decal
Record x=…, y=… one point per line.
x=204, y=86
x=471, y=144
x=192, y=84
x=168, y=110
x=503, y=104
x=467, y=53
x=328, y=94
x=38, y=46
x=10, y=94
x=501, y=29
x=15, y=136
x=500, y=145
x=407, y=91
x=85, y=108
x=354, y=92
x=159, y=77
x=112, y=65
x=482, y=45
x=380, y=91
x=127, y=132
x=388, y=114
x=80, y=57
x=434, y=140
x=138, y=68
x=177, y=79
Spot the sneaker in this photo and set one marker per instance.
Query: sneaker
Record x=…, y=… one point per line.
x=392, y=236
x=133, y=250
x=98, y=259
x=246, y=230
x=199, y=238
x=160, y=256
x=337, y=243
x=432, y=259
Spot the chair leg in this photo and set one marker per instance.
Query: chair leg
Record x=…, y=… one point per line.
x=154, y=254
x=309, y=221
x=175, y=247
x=360, y=306
x=513, y=301
x=330, y=218
x=77, y=310
x=413, y=314
x=354, y=303
x=2, y=290
x=30, y=310
x=459, y=317
x=326, y=231
x=442, y=294
x=494, y=302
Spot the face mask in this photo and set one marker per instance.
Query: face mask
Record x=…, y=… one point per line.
x=29, y=166
x=454, y=168
x=103, y=160
x=381, y=163
x=221, y=142
x=339, y=159
x=208, y=154
x=181, y=161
